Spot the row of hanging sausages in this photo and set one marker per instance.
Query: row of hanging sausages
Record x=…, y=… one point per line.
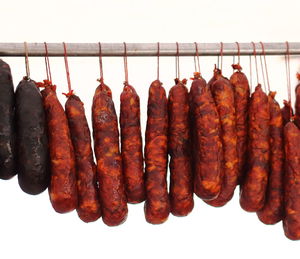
x=216, y=135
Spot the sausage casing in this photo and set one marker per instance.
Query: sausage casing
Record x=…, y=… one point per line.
x=131, y=145
x=88, y=201
x=253, y=191
x=157, y=206
x=7, y=126
x=291, y=220
x=33, y=155
x=272, y=211
x=62, y=189
x=287, y=112
x=109, y=161
x=297, y=106
x=181, y=188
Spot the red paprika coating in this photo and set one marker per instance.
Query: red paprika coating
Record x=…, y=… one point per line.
x=62, y=189
x=297, y=106
x=109, y=162
x=241, y=89
x=157, y=206
x=287, y=112
x=272, y=212
x=207, y=143
x=253, y=191
x=291, y=220
x=131, y=145
x=181, y=188
x=88, y=201
x=223, y=94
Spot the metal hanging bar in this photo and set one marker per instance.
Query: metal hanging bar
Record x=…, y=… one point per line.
x=145, y=49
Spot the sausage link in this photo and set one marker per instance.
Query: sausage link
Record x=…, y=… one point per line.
x=207, y=143
x=181, y=188
x=223, y=95
x=297, y=106
x=253, y=191
x=7, y=126
x=62, y=189
x=287, y=112
x=241, y=89
x=291, y=220
x=131, y=145
x=272, y=211
x=33, y=155
x=109, y=161
x=88, y=202
x=157, y=206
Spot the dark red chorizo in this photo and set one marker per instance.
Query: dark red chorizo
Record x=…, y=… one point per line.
x=216, y=76
x=181, y=188
x=241, y=89
x=208, y=152
x=62, y=189
x=297, y=105
x=109, y=161
x=88, y=202
x=253, y=191
x=272, y=211
x=157, y=206
x=131, y=145
x=291, y=220
x=223, y=94
x=7, y=124
x=287, y=112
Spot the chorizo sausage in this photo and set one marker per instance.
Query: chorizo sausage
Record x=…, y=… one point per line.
x=131, y=145
x=253, y=191
x=88, y=202
x=7, y=127
x=223, y=95
x=109, y=161
x=62, y=188
x=217, y=74
x=241, y=89
x=208, y=152
x=287, y=112
x=181, y=188
x=297, y=105
x=291, y=220
x=32, y=149
x=157, y=205
x=272, y=211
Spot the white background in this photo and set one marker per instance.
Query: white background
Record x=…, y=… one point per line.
x=29, y=227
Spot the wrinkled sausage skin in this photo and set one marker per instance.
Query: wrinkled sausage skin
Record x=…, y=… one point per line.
x=88, y=201
x=253, y=191
x=7, y=124
x=181, y=191
x=291, y=220
x=109, y=161
x=241, y=89
x=223, y=94
x=297, y=106
x=62, y=189
x=131, y=145
x=287, y=112
x=157, y=206
x=272, y=211
x=33, y=155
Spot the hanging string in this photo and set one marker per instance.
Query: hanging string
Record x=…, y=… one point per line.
x=47, y=63
x=125, y=64
x=26, y=61
x=221, y=55
x=239, y=51
x=233, y=62
x=177, y=61
x=250, y=64
x=256, y=67
x=67, y=71
x=198, y=60
x=266, y=67
x=263, y=73
x=100, y=63
x=288, y=76
x=158, y=53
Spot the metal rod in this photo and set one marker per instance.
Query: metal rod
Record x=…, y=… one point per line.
x=145, y=49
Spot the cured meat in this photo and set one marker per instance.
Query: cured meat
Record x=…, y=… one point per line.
x=109, y=161
x=7, y=127
x=272, y=212
x=62, y=189
x=287, y=112
x=88, y=202
x=33, y=155
x=181, y=191
x=131, y=145
x=157, y=206
x=291, y=220
x=297, y=105
x=253, y=191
